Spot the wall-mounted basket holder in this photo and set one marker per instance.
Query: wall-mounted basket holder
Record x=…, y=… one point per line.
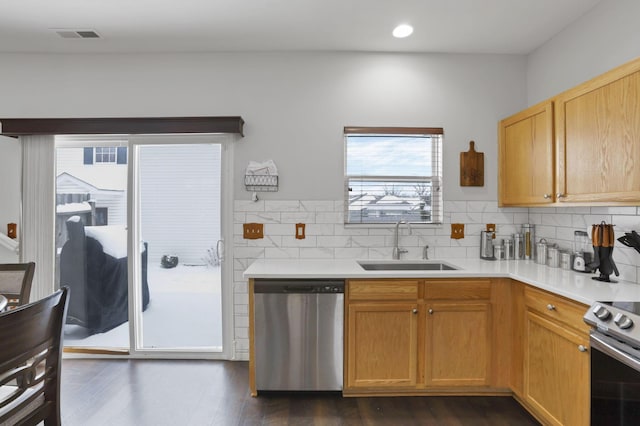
x=261, y=183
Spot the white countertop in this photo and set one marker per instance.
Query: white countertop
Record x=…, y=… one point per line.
x=574, y=285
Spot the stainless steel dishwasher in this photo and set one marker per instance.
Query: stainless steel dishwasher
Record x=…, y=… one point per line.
x=298, y=334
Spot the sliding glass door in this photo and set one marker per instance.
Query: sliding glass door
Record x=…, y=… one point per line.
x=139, y=239
x=179, y=215
x=91, y=241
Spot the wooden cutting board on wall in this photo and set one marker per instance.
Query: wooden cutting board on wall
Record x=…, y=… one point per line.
x=472, y=167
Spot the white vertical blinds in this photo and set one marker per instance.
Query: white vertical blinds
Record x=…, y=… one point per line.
x=38, y=210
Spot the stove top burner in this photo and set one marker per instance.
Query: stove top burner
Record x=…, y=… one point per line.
x=617, y=319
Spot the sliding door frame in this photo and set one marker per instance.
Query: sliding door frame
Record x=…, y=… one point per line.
x=226, y=225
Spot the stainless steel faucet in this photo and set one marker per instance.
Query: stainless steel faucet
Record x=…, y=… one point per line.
x=397, y=251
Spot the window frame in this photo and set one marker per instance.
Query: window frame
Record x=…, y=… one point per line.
x=435, y=180
x=102, y=157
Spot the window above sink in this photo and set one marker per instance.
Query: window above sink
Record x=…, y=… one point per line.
x=393, y=174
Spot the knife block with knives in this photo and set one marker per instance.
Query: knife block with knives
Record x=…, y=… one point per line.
x=603, y=238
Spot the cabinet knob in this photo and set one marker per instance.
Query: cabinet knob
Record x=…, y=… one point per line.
x=547, y=196
x=551, y=307
x=415, y=311
x=582, y=348
x=430, y=311
x=560, y=195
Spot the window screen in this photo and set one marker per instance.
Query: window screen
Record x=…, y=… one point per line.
x=393, y=174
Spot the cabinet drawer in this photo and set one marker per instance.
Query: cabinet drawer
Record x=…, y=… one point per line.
x=557, y=308
x=382, y=289
x=457, y=289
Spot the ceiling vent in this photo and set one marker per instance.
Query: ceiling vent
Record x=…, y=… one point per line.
x=77, y=33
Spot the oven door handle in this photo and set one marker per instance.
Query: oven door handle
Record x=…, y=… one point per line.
x=600, y=343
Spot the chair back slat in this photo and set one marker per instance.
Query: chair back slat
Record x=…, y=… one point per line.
x=30, y=360
x=15, y=282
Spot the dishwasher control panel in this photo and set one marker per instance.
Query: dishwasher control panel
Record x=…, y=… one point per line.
x=299, y=286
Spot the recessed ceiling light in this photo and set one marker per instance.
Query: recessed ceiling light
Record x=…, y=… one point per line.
x=402, y=31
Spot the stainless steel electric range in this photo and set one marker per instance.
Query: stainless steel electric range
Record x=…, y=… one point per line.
x=615, y=363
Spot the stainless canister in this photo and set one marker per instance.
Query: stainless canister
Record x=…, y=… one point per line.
x=541, y=252
x=486, y=245
x=509, y=252
x=529, y=237
x=518, y=246
x=553, y=257
x=498, y=252
x=565, y=260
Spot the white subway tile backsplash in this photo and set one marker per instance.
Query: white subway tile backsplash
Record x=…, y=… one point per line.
x=368, y=241
x=455, y=206
x=626, y=223
x=520, y=218
x=328, y=238
x=292, y=241
x=466, y=217
x=622, y=210
x=298, y=217
x=545, y=210
x=585, y=221
x=282, y=253
x=497, y=217
x=248, y=206
x=351, y=253
x=380, y=253
x=249, y=252
x=317, y=206
x=556, y=219
x=341, y=230
x=319, y=229
x=262, y=217
x=482, y=206
x=281, y=206
x=451, y=252
x=317, y=253
x=334, y=217
x=334, y=241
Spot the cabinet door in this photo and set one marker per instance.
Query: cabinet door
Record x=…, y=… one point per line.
x=526, y=172
x=458, y=344
x=556, y=372
x=381, y=345
x=598, y=139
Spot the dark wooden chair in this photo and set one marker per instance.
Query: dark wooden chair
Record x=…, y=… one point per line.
x=30, y=361
x=15, y=282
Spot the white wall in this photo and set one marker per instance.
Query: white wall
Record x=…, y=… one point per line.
x=605, y=37
x=10, y=179
x=295, y=105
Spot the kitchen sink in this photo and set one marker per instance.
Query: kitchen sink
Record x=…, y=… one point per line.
x=406, y=266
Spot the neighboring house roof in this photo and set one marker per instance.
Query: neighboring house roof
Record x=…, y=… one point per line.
x=387, y=202
x=69, y=181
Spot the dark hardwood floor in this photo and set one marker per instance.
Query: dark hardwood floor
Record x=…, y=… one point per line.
x=152, y=392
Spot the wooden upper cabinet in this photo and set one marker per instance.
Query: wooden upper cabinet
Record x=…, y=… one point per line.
x=526, y=157
x=598, y=139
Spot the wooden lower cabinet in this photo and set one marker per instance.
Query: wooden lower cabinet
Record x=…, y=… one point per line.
x=458, y=344
x=439, y=338
x=382, y=345
x=556, y=362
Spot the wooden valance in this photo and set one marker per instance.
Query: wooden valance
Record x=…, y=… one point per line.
x=121, y=125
